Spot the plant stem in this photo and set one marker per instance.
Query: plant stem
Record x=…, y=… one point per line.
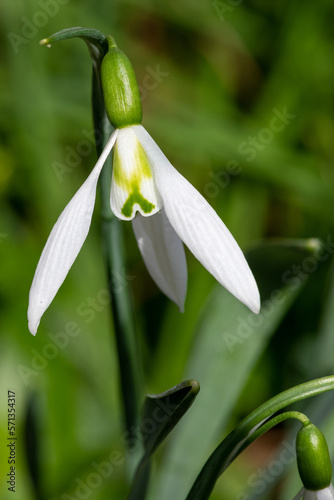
x=113, y=245
x=271, y=423
x=121, y=304
x=124, y=326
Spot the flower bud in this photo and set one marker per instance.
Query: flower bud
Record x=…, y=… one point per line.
x=120, y=88
x=314, y=463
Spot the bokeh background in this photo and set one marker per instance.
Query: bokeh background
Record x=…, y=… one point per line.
x=239, y=96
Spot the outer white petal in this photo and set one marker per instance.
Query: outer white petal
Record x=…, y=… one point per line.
x=64, y=243
x=163, y=254
x=325, y=494
x=200, y=228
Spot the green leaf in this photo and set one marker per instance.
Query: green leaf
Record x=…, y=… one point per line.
x=161, y=413
x=229, y=342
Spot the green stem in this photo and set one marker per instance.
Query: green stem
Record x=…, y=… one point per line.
x=271, y=423
x=242, y=435
x=122, y=310
x=129, y=359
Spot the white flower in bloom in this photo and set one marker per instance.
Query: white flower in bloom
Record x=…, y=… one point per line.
x=164, y=209
x=325, y=494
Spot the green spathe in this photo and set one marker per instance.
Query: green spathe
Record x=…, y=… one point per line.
x=314, y=463
x=120, y=88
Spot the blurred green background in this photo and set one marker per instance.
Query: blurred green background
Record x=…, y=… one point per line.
x=239, y=96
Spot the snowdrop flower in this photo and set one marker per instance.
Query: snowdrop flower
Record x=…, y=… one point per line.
x=314, y=464
x=146, y=189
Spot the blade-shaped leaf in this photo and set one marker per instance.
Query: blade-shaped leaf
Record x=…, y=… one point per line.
x=173, y=404
x=161, y=413
x=229, y=342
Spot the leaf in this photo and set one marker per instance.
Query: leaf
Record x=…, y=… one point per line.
x=161, y=414
x=229, y=342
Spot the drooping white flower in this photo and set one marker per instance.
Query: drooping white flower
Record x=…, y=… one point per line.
x=164, y=209
x=146, y=189
x=324, y=494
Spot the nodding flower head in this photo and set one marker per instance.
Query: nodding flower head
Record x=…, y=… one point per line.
x=165, y=209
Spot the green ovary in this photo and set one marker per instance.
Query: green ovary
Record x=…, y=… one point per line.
x=136, y=197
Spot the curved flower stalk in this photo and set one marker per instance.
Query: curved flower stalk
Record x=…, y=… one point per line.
x=165, y=209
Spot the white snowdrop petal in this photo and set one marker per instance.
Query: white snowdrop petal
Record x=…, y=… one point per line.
x=200, y=228
x=64, y=243
x=164, y=256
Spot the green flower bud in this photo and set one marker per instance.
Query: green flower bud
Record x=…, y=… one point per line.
x=314, y=463
x=120, y=88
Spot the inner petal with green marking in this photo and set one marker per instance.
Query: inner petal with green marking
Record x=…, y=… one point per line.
x=133, y=187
